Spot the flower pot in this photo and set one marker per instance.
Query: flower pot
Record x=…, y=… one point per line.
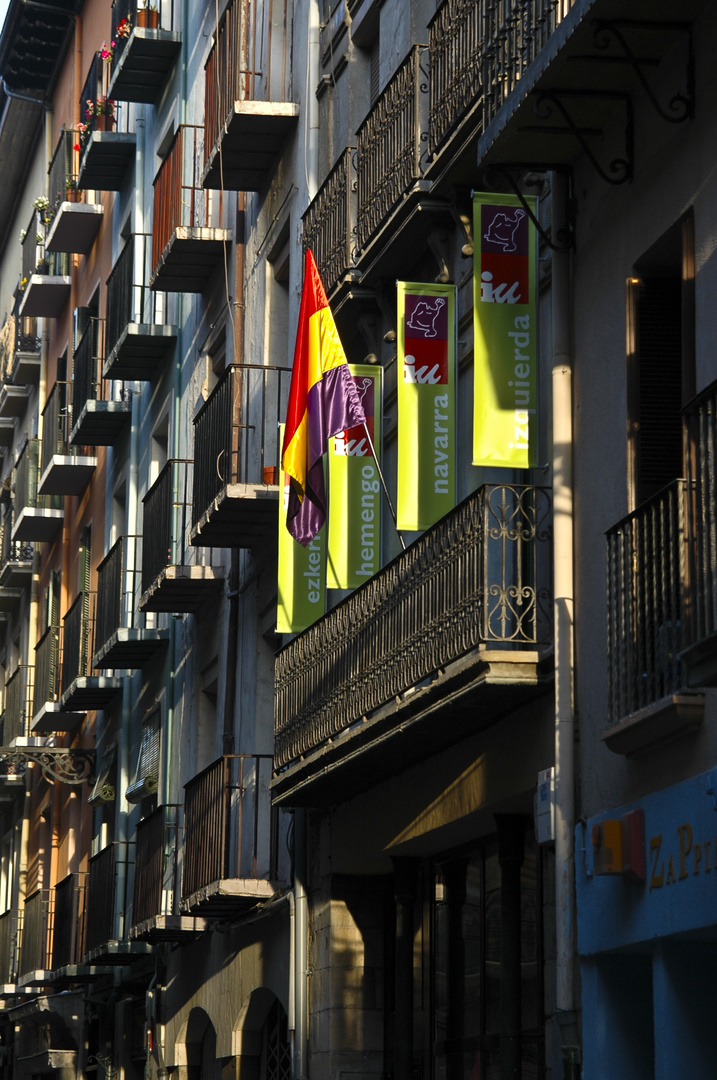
x=271, y=474
x=71, y=195
x=142, y=14
x=147, y=18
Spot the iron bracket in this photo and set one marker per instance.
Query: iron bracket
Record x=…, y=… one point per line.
x=67, y=766
x=620, y=169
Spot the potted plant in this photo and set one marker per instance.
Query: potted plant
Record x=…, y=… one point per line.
x=104, y=114
x=148, y=16
x=71, y=192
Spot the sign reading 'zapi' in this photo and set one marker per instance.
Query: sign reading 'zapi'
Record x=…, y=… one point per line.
x=505, y=333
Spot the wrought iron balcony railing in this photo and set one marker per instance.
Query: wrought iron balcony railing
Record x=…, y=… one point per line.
x=481, y=575
x=13, y=553
x=100, y=900
x=179, y=198
x=329, y=224
x=700, y=426
x=129, y=298
x=26, y=481
x=645, y=602
x=77, y=638
x=8, y=946
x=456, y=41
x=67, y=938
x=156, y=868
x=62, y=173
x=228, y=71
x=47, y=669
x=388, y=146
x=87, y=381
x=56, y=425
x=236, y=431
x=18, y=703
x=36, y=932
x=167, y=511
x=229, y=825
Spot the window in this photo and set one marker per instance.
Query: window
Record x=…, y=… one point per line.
x=146, y=777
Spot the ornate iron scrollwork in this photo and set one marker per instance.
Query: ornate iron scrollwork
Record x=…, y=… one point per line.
x=67, y=766
x=620, y=169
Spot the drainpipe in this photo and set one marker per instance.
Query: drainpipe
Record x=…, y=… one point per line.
x=301, y=939
x=312, y=103
x=565, y=1003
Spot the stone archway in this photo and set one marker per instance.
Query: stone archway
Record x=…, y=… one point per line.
x=261, y=1039
x=201, y=1047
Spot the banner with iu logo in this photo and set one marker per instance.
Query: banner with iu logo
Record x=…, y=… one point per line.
x=426, y=404
x=505, y=332
x=354, y=540
x=302, y=571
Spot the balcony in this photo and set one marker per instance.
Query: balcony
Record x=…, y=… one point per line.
x=187, y=248
x=119, y=643
x=47, y=715
x=329, y=224
x=37, y=517
x=230, y=849
x=138, y=340
x=34, y=963
x=72, y=224
x=170, y=582
x=18, y=705
x=648, y=700
x=236, y=452
x=143, y=55
x=15, y=556
x=20, y=349
x=106, y=154
x=101, y=410
x=244, y=135
x=8, y=950
x=80, y=690
x=462, y=620
x=103, y=943
x=156, y=881
x=63, y=471
x=45, y=284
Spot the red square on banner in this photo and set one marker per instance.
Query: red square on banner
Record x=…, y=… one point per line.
x=426, y=362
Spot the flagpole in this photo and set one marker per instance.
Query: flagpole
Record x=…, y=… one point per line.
x=383, y=484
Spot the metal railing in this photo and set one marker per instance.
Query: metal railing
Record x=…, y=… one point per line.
x=13, y=551
x=700, y=429
x=56, y=425
x=456, y=45
x=229, y=825
x=645, y=602
x=126, y=12
x=62, y=173
x=32, y=248
x=129, y=299
x=388, y=146
x=228, y=74
x=26, y=481
x=67, y=936
x=118, y=589
x=167, y=513
x=236, y=431
x=87, y=381
x=329, y=224
x=8, y=946
x=481, y=575
x=18, y=698
x=156, y=867
x=77, y=638
x=36, y=932
x=100, y=902
x=179, y=198
x=47, y=668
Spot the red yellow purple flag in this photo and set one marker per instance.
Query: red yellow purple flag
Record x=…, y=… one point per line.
x=323, y=401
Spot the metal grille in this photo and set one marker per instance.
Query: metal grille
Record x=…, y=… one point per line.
x=482, y=574
x=700, y=425
x=47, y=656
x=101, y=898
x=76, y=638
x=229, y=826
x=388, y=146
x=237, y=429
x=156, y=863
x=36, y=930
x=329, y=224
x=645, y=602
x=18, y=696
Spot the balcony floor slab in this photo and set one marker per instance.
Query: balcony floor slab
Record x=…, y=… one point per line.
x=106, y=159
x=7, y=431
x=118, y=952
x=657, y=724
x=130, y=648
x=168, y=928
x=75, y=227
x=190, y=259
x=251, y=140
x=90, y=692
x=26, y=368
x=37, y=525
x=40, y=977
x=78, y=973
x=226, y=895
x=140, y=353
x=241, y=516
x=67, y=474
x=10, y=598
x=16, y=573
x=183, y=588
x=144, y=64
x=13, y=400
x=100, y=423
x=45, y=296
x=50, y=718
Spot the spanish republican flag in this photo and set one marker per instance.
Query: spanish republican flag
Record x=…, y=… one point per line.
x=323, y=401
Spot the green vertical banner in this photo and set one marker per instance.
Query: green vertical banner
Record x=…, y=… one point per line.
x=426, y=404
x=354, y=545
x=505, y=332
x=302, y=572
